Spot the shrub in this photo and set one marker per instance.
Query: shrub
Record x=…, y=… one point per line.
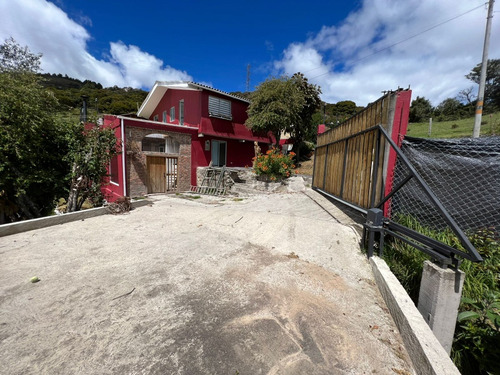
x=274, y=165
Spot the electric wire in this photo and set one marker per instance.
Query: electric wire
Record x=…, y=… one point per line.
x=404, y=40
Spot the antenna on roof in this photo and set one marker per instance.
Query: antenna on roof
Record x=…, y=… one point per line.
x=248, y=78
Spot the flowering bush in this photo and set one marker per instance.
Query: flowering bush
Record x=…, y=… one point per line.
x=274, y=165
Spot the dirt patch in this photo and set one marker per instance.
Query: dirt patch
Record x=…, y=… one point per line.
x=306, y=167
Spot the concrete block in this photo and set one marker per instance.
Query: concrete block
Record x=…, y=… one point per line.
x=426, y=353
x=48, y=221
x=438, y=301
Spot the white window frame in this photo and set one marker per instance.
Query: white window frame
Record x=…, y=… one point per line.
x=172, y=114
x=155, y=118
x=117, y=183
x=165, y=116
x=181, y=112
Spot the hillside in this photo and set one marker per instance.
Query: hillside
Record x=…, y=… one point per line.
x=490, y=125
x=111, y=100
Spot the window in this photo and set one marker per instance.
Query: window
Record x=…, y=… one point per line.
x=218, y=107
x=153, y=144
x=181, y=112
x=172, y=147
x=155, y=118
x=160, y=143
x=172, y=114
x=164, y=116
x=113, y=170
x=219, y=153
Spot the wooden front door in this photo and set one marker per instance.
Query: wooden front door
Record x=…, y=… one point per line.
x=156, y=174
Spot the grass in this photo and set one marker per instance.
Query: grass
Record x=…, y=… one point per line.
x=490, y=125
x=476, y=347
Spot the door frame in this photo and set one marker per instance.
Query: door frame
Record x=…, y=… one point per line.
x=216, y=151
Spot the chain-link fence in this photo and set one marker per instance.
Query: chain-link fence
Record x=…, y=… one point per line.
x=464, y=174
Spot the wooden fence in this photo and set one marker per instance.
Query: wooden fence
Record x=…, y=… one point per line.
x=352, y=161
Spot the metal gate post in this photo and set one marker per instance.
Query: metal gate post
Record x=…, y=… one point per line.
x=374, y=224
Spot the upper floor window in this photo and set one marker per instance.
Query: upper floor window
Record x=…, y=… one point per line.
x=218, y=107
x=155, y=118
x=172, y=114
x=164, y=116
x=181, y=112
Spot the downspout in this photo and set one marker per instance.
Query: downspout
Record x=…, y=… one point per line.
x=124, y=176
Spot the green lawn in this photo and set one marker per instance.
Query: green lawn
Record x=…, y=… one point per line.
x=455, y=129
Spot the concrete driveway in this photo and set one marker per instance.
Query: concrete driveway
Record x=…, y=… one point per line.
x=270, y=284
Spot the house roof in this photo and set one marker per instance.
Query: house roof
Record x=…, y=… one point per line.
x=160, y=87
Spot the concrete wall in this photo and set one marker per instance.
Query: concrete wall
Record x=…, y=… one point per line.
x=43, y=222
x=426, y=352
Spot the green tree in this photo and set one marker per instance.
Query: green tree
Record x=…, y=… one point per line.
x=304, y=128
x=14, y=58
x=492, y=87
x=450, y=109
x=275, y=105
x=420, y=110
x=344, y=109
x=32, y=148
x=90, y=152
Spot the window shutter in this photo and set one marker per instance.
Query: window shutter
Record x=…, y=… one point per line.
x=213, y=105
x=219, y=108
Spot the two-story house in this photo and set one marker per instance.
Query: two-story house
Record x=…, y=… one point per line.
x=179, y=127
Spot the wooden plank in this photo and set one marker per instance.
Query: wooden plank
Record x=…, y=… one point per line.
x=156, y=174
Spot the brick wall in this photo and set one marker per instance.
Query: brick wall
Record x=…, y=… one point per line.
x=136, y=165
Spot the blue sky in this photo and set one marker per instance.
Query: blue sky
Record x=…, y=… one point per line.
x=335, y=43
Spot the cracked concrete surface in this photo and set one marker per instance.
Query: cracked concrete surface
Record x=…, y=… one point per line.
x=271, y=284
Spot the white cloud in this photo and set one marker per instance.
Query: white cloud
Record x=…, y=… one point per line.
x=343, y=59
x=45, y=28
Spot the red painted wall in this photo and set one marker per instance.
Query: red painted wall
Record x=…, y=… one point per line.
x=114, y=190
x=399, y=129
x=192, y=106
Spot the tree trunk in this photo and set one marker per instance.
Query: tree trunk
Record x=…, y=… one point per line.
x=72, y=204
x=77, y=185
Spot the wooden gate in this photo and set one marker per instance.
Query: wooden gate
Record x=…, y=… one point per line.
x=162, y=174
x=351, y=163
x=156, y=174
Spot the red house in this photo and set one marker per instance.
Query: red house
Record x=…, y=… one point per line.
x=179, y=127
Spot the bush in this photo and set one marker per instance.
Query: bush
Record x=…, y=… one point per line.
x=305, y=150
x=274, y=165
